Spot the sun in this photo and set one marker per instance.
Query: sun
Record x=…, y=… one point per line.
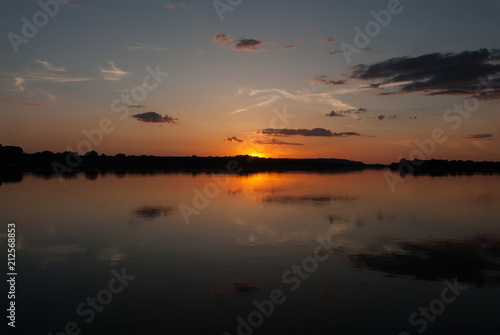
x=256, y=154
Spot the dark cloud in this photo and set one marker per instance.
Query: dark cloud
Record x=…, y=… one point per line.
x=155, y=118
x=248, y=44
x=335, y=114
x=437, y=74
x=333, y=52
x=275, y=142
x=319, y=132
x=326, y=80
x=381, y=117
x=240, y=44
x=343, y=113
x=481, y=136
x=412, y=117
x=232, y=139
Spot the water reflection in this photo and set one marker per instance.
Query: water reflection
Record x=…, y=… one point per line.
x=153, y=212
x=475, y=260
x=389, y=250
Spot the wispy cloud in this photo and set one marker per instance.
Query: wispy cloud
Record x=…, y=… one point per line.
x=305, y=96
x=328, y=40
x=140, y=46
x=289, y=47
x=317, y=132
x=267, y=101
x=19, y=82
x=333, y=52
x=171, y=5
x=153, y=117
x=50, y=67
x=114, y=73
x=48, y=73
x=28, y=82
x=274, y=141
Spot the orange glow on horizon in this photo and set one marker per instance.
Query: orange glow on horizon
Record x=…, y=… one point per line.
x=256, y=154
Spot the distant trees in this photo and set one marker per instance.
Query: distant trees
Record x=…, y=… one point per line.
x=10, y=155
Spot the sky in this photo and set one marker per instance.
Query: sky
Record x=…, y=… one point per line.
x=371, y=81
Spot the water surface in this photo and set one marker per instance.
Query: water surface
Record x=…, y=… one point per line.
x=385, y=255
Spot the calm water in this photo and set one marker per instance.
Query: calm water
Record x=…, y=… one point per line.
x=383, y=257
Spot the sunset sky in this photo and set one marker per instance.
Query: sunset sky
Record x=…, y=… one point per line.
x=280, y=78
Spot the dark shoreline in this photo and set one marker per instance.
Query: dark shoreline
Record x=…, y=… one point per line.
x=14, y=163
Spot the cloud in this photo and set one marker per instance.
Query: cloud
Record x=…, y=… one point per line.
x=317, y=132
x=335, y=114
x=333, y=52
x=222, y=38
x=328, y=40
x=27, y=81
x=114, y=73
x=172, y=6
x=248, y=44
x=274, y=141
x=481, y=136
x=239, y=44
x=50, y=67
x=305, y=96
x=343, y=113
x=412, y=117
x=153, y=117
x=381, y=117
x=326, y=81
x=136, y=106
x=233, y=139
x=289, y=47
x=436, y=74
x=36, y=104
x=140, y=46
x=18, y=82
x=49, y=73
